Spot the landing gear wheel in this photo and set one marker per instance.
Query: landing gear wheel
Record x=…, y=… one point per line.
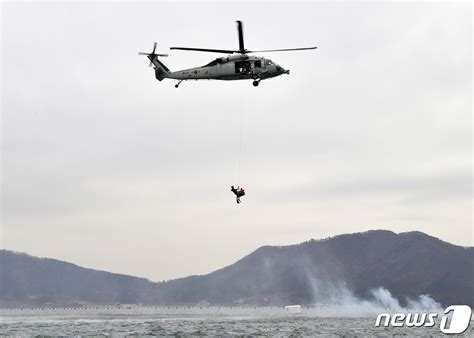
x=176, y=86
x=255, y=83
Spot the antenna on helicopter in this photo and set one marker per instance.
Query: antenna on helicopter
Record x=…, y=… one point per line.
x=241, y=49
x=152, y=55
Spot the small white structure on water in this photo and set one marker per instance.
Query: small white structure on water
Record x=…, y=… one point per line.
x=293, y=308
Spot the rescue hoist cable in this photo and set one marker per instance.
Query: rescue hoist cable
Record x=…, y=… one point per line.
x=240, y=132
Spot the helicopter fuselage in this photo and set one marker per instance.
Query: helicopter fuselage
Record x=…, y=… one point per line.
x=232, y=67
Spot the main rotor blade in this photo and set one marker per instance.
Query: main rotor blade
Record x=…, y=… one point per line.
x=225, y=51
x=154, y=47
x=241, y=37
x=279, y=50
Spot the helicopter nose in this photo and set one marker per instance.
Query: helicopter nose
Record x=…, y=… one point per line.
x=282, y=70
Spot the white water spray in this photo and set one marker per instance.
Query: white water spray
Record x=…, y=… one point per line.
x=337, y=300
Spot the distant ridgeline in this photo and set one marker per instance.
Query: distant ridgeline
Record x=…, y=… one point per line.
x=407, y=264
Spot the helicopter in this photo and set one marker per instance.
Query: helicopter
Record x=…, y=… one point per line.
x=239, y=65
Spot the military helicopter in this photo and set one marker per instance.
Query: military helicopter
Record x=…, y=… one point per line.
x=236, y=66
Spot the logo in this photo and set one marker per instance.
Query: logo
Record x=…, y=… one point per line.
x=455, y=320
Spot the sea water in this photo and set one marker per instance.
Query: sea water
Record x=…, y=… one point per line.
x=273, y=321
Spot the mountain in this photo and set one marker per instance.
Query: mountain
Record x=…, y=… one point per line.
x=30, y=281
x=407, y=264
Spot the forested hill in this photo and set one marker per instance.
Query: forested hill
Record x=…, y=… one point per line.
x=406, y=264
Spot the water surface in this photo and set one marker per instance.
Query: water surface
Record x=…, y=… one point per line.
x=198, y=321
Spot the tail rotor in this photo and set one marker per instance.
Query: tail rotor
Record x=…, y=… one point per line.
x=152, y=55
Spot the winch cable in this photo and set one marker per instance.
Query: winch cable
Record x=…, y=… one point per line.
x=241, y=127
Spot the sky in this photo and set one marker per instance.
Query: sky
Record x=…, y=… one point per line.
x=106, y=167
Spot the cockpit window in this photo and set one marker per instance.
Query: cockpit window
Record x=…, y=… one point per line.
x=213, y=63
x=269, y=62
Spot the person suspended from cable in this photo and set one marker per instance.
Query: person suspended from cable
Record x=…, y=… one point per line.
x=239, y=192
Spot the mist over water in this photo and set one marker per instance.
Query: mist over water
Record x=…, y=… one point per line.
x=337, y=300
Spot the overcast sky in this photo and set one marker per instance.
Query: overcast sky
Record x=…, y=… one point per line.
x=108, y=168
